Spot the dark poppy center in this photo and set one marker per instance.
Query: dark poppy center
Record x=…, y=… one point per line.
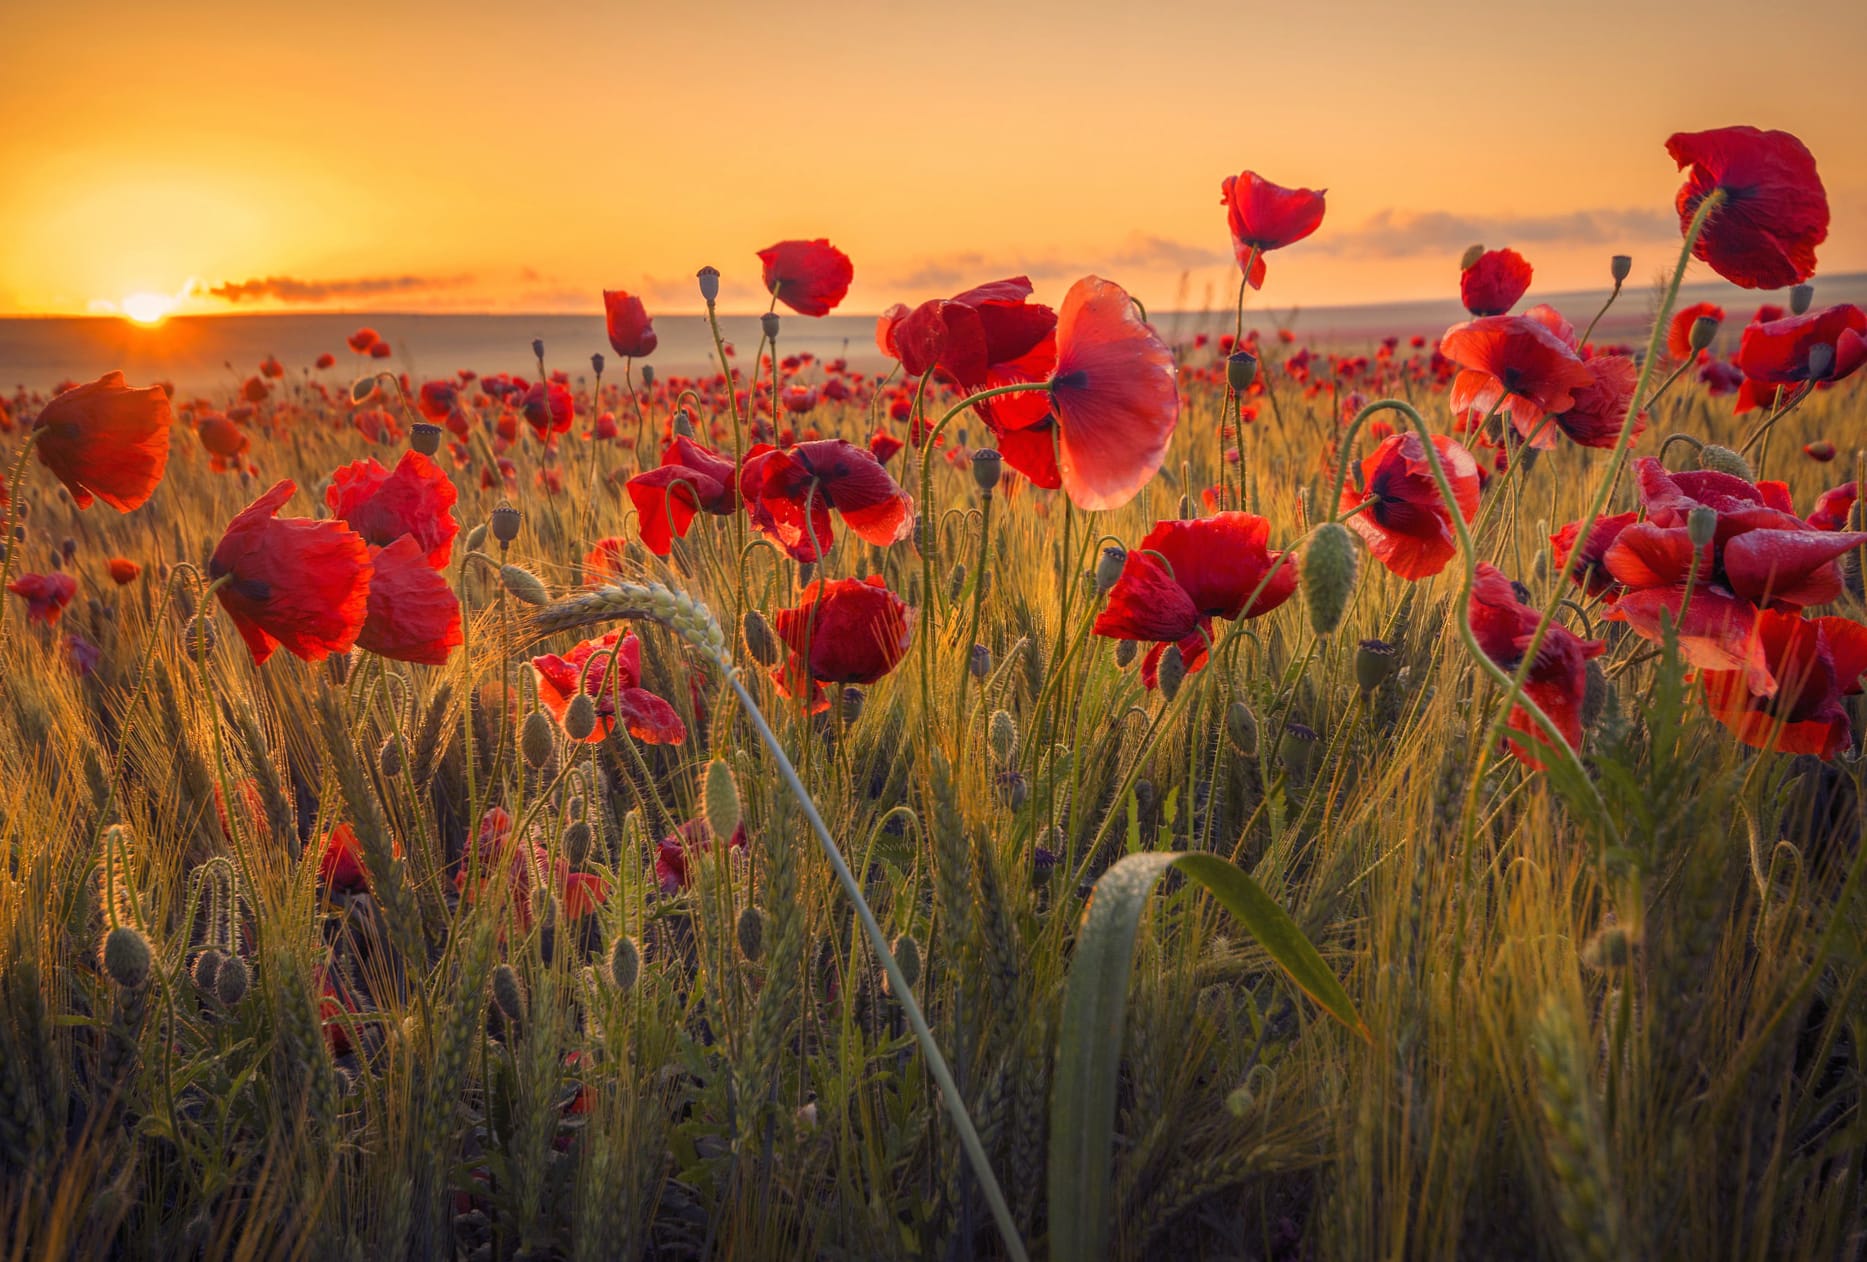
x=1070, y=380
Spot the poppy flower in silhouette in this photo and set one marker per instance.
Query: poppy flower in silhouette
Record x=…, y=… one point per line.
x=810, y=277
x=1679, y=330
x=413, y=614
x=362, y=340
x=1825, y=345
x=690, y=479
x=1597, y=410
x=108, y=440
x=1187, y=573
x=620, y=696
x=1832, y=507
x=415, y=498
x=1558, y=680
x=1515, y=364
x=1408, y=527
x=1591, y=572
x=123, y=570
x=292, y=580
x=549, y=409
x=46, y=595
x=1815, y=662
x=631, y=332
x=789, y=495
x=846, y=631
x=1494, y=282
x=1115, y=395
x=672, y=853
x=1775, y=210
x=1265, y=216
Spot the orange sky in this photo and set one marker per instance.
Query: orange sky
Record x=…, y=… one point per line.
x=470, y=156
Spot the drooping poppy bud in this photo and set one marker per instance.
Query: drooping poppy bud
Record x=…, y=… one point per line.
x=1724, y=460
x=1704, y=330
x=126, y=957
x=1330, y=564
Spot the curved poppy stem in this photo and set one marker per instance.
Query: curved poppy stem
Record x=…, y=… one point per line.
x=1616, y=293
x=978, y=599
x=12, y=520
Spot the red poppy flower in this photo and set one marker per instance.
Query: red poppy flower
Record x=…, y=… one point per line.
x=416, y=498
x=1185, y=574
x=1597, y=409
x=340, y=862
x=46, y=595
x=1557, y=682
x=671, y=853
x=631, y=332
x=381, y=350
x=1815, y=662
x=1268, y=216
x=549, y=409
x=291, y=580
x=413, y=615
x=1515, y=363
x=810, y=277
x=1409, y=527
x=604, y=561
x=1824, y=345
x=789, y=495
x=1775, y=211
x=1832, y=507
x=123, y=570
x=1494, y=282
x=225, y=442
x=1679, y=331
x=690, y=479
x=1115, y=395
x=108, y=440
x=987, y=337
x=648, y=718
x=1591, y=574
x=847, y=631
x=884, y=446
x=437, y=399
x=363, y=339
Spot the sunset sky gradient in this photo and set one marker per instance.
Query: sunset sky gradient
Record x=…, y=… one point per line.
x=469, y=156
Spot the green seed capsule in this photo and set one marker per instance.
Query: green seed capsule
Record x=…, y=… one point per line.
x=1330, y=565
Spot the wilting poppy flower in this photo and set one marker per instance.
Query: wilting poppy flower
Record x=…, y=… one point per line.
x=46, y=595
x=671, y=852
x=291, y=580
x=810, y=277
x=1266, y=216
x=1590, y=573
x=1514, y=363
x=1824, y=345
x=1679, y=331
x=1775, y=210
x=631, y=332
x=846, y=631
x=1557, y=682
x=1815, y=662
x=1185, y=574
x=1494, y=282
x=413, y=615
x=789, y=495
x=108, y=440
x=1115, y=394
x=382, y=505
x=123, y=570
x=648, y=718
x=1409, y=527
x=690, y=479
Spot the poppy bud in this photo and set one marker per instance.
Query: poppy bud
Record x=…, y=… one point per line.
x=683, y=424
x=1241, y=727
x=205, y=969
x=1241, y=369
x=852, y=704
x=580, y=717
x=1595, y=691
x=1013, y=790
x=231, y=981
x=524, y=585
x=987, y=467
x=505, y=523
x=1620, y=267
x=648, y=374
x=1724, y=460
x=199, y=636
x=126, y=957
x=1703, y=330
x=68, y=547
x=1375, y=661
x=1109, y=567
x=536, y=742
x=1124, y=653
x=758, y=638
x=1800, y=296
x=578, y=839
x=722, y=799
x=956, y=580
x=424, y=437
x=980, y=661
x=907, y=953
x=389, y=757
x=1329, y=566
x=625, y=964
x=709, y=278
x=768, y=325
x=596, y=363
x=508, y=993
x=1185, y=512
x=1470, y=258
x=1172, y=671
x=538, y=348
x=751, y=933
x=1297, y=750
x=1821, y=361
x=1701, y=525
x=362, y=388
x=476, y=537
x=1003, y=732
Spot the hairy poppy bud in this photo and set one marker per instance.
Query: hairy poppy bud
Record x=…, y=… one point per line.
x=424, y=437
x=476, y=537
x=596, y=363
x=389, y=757
x=1125, y=651
x=980, y=662
x=524, y=585
x=206, y=968
x=907, y=953
x=68, y=547
x=1375, y=661
x=709, y=278
x=1109, y=567
x=363, y=388
x=1172, y=671
x=1329, y=567
x=578, y=839
x=683, y=424
x=199, y=636
x=1298, y=748
x=505, y=523
x=536, y=741
x=1724, y=460
x=1241, y=369
x=758, y=637
x=580, y=717
x=768, y=325
x=751, y=933
x=1241, y=727
x=956, y=580
x=625, y=959
x=508, y=993
x=1704, y=329
x=1469, y=259
x=126, y=957
x=538, y=348
x=648, y=374
x=1013, y=790
x=1003, y=733
x=987, y=467
x=232, y=980
x=852, y=704
x=722, y=800
x=1595, y=692
x=1620, y=267
x=1701, y=525
x=1800, y=296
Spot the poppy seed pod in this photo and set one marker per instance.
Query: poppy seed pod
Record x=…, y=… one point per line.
x=648, y=374
x=1328, y=569
x=751, y=933
x=508, y=993
x=1724, y=460
x=538, y=348
x=625, y=960
x=1003, y=733
x=980, y=662
x=580, y=717
x=1375, y=662
x=768, y=325
x=1297, y=750
x=907, y=953
x=1172, y=671
x=758, y=638
x=535, y=741
x=231, y=980
x=1704, y=330
x=505, y=522
x=1469, y=259
x=709, y=278
x=596, y=363
x=578, y=839
x=987, y=467
x=1701, y=525
x=424, y=437
x=1125, y=651
x=126, y=957
x=1109, y=567
x=722, y=799
x=852, y=704
x=683, y=424
x=1620, y=267
x=1800, y=297
x=524, y=585
x=1241, y=727
x=1241, y=369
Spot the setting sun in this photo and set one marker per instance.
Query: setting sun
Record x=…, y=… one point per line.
x=147, y=308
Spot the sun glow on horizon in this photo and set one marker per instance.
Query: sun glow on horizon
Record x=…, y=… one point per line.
x=147, y=308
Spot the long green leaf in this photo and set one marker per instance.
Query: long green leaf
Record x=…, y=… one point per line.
x=1095, y=1008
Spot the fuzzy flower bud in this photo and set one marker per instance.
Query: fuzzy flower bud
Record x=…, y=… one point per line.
x=1329, y=568
x=1241, y=728
x=578, y=839
x=751, y=933
x=232, y=980
x=759, y=640
x=524, y=585
x=536, y=741
x=1125, y=651
x=580, y=717
x=1003, y=732
x=722, y=800
x=625, y=958
x=126, y=957
x=1172, y=672
x=508, y=992
x=907, y=953
x=1724, y=460
x=1701, y=525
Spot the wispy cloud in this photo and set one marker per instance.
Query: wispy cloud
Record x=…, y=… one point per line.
x=294, y=289
x=1139, y=252
x=1401, y=234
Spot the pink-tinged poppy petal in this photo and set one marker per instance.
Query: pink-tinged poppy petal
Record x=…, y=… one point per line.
x=1645, y=555
x=1147, y=603
x=1718, y=631
x=1115, y=393
x=650, y=719
x=1795, y=567
x=414, y=614
x=666, y=500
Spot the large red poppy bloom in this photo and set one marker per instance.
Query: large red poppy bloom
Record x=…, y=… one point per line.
x=1596, y=410
x=1775, y=210
x=413, y=614
x=46, y=595
x=436, y=400
x=690, y=479
x=1816, y=662
x=810, y=277
x=1558, y=680
x=789, y=494
x=1115, y=394
x=1591, y=572
x=1266, y=216
x=1515, y=363
x=1832, y=507
x=549, y=409
x=1494, y=282
x=382, y=505
x=1409, y=527
x=1185, y=574
x=1824, y=345
x=631, y=331
x=987, y=337
x=648, y=718
x=846, y=631
x=1679, y=331
x=107, y=440
x=292, y=580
